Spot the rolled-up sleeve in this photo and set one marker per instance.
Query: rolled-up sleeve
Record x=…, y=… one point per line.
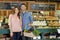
x=30, y=18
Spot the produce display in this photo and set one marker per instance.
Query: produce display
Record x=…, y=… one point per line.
x=45, y=20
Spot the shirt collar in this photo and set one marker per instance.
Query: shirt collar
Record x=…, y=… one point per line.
x=24, y=12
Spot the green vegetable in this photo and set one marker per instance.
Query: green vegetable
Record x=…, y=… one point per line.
x=36, y=32
x=25, y=30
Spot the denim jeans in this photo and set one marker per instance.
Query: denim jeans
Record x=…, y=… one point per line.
x=16, y=36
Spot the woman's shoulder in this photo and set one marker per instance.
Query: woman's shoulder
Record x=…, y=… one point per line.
x=10, y=15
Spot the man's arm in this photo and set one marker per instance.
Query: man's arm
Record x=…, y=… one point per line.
x=31, y=19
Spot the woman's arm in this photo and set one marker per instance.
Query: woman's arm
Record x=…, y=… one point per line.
x=9, y=22
x=10, y=25
x=21, y=22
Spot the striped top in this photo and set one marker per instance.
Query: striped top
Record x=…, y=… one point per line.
x=15, y=24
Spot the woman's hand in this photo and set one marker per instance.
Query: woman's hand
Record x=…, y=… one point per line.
x=21, y=33
x=11, y=34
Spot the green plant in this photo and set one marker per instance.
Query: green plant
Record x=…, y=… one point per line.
x=36, y=32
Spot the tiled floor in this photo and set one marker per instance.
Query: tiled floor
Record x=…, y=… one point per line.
x=4, y=38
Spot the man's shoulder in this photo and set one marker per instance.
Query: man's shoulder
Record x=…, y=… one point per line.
x=28, y=13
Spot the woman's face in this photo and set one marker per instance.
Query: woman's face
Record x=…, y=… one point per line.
x=16, y=10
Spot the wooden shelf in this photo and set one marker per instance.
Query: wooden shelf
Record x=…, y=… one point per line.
x=42, y=5
x=51, y=12
x=6, y=12
x=9, y=0
x=58, y=6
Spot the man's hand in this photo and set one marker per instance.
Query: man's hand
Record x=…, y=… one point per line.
x=30, y=24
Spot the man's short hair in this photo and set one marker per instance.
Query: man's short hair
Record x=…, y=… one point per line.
x=23, y=4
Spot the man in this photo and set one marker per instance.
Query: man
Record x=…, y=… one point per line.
x=26, y=19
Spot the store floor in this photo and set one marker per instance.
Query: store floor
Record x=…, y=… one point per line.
x=4, y=38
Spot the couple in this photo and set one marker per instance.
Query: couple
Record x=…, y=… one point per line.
x=18, y=20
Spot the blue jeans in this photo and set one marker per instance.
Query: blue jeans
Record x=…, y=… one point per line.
x=16, y=36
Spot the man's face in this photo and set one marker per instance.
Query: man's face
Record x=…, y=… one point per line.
x=23, y=7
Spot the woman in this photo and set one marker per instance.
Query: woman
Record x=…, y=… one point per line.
x=15, y=24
